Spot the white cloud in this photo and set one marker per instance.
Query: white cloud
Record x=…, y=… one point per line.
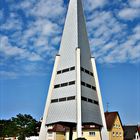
x=137, y=30
x=108, y=47
x=25, y=4
x=41, y=41
x=34, y=57
x=7, y=74
x=47, y=27
x=134, y=3
x=54, y=9
x=93, y=4
x=19, y=53
x=129, y=13
x=39, y=32
x=99, y=18
x=109, y=39
x=129, y=50
x=104, y=23
x=44, y=31
x=103, y=26
x=12, y=23
x=56, y=40
x=8, y=49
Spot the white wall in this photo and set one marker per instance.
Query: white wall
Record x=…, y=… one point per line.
x=137, y=136
x=32, y=138
x=11, y=138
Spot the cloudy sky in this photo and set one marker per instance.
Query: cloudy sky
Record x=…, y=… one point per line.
x=30, y=34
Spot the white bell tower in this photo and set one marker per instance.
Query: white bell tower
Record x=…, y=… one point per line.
x=74, y=97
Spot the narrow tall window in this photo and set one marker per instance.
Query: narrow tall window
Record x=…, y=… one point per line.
x=113, y=133
x=92, y=133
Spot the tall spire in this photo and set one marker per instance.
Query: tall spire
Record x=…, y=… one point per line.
x=74, y=33
x=74, y=97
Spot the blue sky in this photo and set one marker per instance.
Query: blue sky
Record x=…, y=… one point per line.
x=30, y=34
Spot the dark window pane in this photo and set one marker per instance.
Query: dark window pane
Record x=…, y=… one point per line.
x=84, y=98
x=87, y=85
x=59, y=72
x=82, y=69
x=94, y=88
x=64, y=84
x=62, y=99
x=70, y=98
x=65, y=70
x=96, y=102
x=72, y=68
x=83, y=83
x=86, y=71
x=90, y=100
x=72, y=83
x=56, y=86
x=91, y=73
x=54, y=100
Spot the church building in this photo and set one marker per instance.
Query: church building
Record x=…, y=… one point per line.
x=74, y=100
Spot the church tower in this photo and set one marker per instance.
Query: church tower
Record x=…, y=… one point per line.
x=74, y=97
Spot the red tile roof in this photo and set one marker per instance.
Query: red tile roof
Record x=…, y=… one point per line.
x=139, y=129
x=62, y=128
x=110, y=119
x=58, y=128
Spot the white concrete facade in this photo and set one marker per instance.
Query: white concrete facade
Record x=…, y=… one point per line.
x=74, y=94
x=104, y=132
x=43, y=129
x=78, y=79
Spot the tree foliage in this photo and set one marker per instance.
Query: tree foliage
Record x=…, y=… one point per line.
x=20, y=126
x=7, y=128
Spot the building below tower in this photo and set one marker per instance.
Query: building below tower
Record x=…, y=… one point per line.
x=90, y=132
x=59, y=132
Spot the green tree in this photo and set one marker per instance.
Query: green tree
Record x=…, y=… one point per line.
x=7, y=128
x=26, y=125
x=20, y=126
